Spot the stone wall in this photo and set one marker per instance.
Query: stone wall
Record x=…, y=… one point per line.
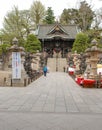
x=5, y=77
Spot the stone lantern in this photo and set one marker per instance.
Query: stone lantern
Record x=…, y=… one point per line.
x=76, y=62
x=94, y=52
x=16, y=62
x=82, y=65
x=88, y=67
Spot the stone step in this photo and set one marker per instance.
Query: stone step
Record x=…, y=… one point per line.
x=56, y=64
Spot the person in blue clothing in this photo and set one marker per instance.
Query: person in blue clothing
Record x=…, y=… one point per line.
x=45, y=70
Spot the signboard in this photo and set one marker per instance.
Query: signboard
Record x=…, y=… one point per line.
x=99, y=69
x=16, y=65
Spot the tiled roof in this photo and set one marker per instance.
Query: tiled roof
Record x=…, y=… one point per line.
x=70, y=31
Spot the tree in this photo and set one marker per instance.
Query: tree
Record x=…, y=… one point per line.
x=81, y=43
x=95, y=34
x=12, y=23
x=26, y=22
x=69, y=16
x=16, y=24
x=86, y=16
x=37, y=12
x=82, y=17
x=3, y=53
x=49, y=18
x=32, y=44
x=97, y=23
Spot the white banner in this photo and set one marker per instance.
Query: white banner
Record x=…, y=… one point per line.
x=16, y=65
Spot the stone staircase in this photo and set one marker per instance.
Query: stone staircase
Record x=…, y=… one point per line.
x=51, y=63
x=61, y=63
x=56, y=64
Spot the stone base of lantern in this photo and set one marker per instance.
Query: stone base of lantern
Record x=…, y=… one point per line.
x=17, y=82
x=24, y=81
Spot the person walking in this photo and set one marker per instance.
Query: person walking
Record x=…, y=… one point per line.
x=45, y=70
x=64, y=68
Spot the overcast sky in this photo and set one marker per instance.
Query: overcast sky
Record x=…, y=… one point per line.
x=57, y=5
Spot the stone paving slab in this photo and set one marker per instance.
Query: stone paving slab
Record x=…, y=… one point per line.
x=49, y=121
x=54, y=102
x=57, y=92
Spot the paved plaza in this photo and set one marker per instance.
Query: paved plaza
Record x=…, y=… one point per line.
x=54, y=102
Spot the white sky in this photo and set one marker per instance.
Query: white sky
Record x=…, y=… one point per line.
x=57, y=5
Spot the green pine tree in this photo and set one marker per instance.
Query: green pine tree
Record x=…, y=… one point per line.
x=50, y=18
x=32, y=44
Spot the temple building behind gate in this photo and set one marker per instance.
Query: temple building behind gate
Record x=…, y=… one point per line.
x=57, y=38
